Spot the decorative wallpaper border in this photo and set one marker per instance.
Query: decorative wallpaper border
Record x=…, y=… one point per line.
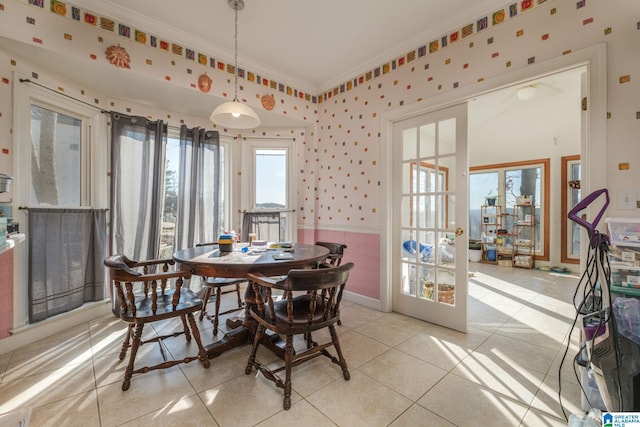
x=499, y=16
x=511, y=10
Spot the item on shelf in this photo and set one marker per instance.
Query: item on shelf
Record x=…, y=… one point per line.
x=522, y=261
x=523, y=200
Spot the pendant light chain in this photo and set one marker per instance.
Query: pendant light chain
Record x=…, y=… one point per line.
x=235, y=114
x=235, y=67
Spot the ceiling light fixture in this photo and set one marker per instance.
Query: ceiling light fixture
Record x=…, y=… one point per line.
x=235, y=114
x=527, y=92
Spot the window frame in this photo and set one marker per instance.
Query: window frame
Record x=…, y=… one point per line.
x=247, y=181
x=565, y=223
x=94, y=161
x=542, y=252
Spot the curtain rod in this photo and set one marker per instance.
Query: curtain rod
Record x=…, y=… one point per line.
x=102, y=110
x=235, y=137
x=26, y=208
x=261, y=137
x=267, y=211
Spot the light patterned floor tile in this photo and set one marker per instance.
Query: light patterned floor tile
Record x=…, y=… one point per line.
x=46, y=387
x=300, y=414
x=188, y=411
x=234, y=403
x=405, y=374
x=361, y=401
x=76, y=411
x=148, y=392
x=465, y=403
x=416, y=415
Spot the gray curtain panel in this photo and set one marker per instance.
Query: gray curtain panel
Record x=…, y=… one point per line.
x=66, y=251
x=137, y=184
x=198, y=188
x=266, y=225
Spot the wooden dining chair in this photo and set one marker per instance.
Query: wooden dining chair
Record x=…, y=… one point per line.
x=298, y=315
x=336, y=252
x=147, y=296
x=218, y=284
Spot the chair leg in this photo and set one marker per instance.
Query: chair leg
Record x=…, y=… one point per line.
x=127, y=341
x=288, y=359
x=205, y=300
x=216, y=317
x=202, y=353
x=128, y=373
x=309, y=339
x=239, y=297
x=254, y=350
x=336, y=344
x=185, y=328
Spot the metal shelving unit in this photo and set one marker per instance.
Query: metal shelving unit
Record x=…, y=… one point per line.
x=524, y=236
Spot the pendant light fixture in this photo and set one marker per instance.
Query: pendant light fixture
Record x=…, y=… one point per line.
x=235, y=114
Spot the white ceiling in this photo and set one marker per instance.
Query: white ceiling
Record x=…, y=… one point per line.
x=310, y=45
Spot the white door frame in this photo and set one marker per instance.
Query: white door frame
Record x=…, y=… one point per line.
x=593, y=150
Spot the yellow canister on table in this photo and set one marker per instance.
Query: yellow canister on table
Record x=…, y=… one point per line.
x=225, y=243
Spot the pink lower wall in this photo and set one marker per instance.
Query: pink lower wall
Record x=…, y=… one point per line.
x=362, y=249
x=6, y=293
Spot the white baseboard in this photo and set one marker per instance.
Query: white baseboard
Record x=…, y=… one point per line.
x=369, y=302
x=28, y=334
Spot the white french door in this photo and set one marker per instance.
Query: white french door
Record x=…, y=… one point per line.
x=430, y=185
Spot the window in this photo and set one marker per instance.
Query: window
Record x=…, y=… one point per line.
x=507, y=182
x=270, y=178
x=172, y=175
x=65, y=164
x=57, y=147
x=570, y=194
x=269, y=168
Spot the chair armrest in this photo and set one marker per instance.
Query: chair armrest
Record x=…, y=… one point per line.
x=270, y=282
x=166, y=275
x=168, y=261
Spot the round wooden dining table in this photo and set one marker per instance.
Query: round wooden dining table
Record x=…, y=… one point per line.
x=208, y=261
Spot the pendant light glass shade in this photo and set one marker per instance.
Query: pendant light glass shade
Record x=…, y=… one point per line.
x=234, y=114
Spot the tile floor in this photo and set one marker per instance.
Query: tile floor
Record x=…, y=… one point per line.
x=404, y=372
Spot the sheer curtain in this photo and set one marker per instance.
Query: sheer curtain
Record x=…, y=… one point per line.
x=199, y=187
x=138, y=148
x=266, y=225
x=66, y=250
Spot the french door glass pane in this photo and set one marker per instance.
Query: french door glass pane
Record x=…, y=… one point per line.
x=427, y=141
x=447, y=137
x=409, y=144
x=56, y=158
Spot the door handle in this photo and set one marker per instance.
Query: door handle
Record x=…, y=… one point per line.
x=459, y=231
